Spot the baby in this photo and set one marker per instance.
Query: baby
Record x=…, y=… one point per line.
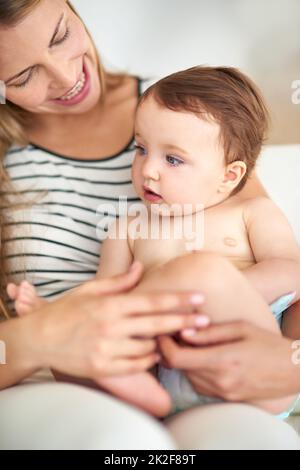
x=198, y=134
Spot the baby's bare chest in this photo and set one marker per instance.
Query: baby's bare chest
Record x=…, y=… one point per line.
x=221, y=232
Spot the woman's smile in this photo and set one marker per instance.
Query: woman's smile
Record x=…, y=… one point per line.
x=79, y=92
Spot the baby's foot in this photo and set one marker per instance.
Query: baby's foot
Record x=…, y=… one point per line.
x=141, y=390
x=25, y=297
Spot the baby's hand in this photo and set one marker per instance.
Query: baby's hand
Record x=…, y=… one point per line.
x=25, y=297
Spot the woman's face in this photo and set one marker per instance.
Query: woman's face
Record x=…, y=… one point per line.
x=48, y=62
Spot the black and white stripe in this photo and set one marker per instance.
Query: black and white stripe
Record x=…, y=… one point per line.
x=57, y=240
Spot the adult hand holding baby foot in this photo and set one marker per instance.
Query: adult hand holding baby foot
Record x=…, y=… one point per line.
x=101, y=329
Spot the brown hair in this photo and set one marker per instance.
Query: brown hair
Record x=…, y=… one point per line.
x=226, y=95
x=13, y=120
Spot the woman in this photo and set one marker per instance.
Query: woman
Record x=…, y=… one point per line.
x=53, y=199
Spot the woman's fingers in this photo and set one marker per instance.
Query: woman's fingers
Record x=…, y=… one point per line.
x=116, y=284
x=216, y=334
x=202, y=384
x=129, y=366
x=180, y=357
x=132, y=347
x=156, y=303
x=150, y=326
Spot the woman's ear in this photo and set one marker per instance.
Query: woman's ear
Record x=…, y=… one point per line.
x=233, y=174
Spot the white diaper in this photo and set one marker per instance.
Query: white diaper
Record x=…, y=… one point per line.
x=181, y=391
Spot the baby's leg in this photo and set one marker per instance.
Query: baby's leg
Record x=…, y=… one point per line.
x=228, y=295
x=141, y=390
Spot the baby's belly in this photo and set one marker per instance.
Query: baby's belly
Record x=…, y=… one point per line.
x=239, y=262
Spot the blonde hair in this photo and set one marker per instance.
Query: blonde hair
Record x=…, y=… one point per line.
x=13, y=120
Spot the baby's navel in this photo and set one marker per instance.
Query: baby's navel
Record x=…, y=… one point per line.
x=228, y=241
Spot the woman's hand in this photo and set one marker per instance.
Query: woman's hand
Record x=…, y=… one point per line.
x=101, y=329
x=236, y=361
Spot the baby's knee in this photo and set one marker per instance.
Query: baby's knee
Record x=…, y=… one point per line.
x=200, y=268
x=206, y=263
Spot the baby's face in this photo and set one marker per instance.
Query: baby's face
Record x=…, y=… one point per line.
x=179, y=158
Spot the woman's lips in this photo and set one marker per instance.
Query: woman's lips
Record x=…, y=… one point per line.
x=81, y=95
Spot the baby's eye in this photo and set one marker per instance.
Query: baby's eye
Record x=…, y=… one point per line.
x=141, y=150
x=173, y=161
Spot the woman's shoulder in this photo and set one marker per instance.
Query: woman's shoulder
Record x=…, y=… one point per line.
x=16, y=153
x=130, y=87
x=16, y=150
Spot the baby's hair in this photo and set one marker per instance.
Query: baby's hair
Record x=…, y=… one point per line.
x=225, y=95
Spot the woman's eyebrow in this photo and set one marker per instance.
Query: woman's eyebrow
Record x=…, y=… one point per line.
x=50, y=44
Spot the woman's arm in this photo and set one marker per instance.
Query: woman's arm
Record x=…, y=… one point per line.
x=23, y=350
x=276, y=271
x=277, y=254
x=253, y=188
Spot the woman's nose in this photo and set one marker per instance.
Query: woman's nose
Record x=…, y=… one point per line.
x=64, y=76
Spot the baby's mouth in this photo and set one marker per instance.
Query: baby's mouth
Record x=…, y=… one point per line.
x=150, y=195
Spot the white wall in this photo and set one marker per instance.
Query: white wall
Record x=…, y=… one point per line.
x=156, y=37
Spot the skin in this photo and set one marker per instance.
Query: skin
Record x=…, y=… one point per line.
x=26, y=337
x=92, y=331
x=54, y=70
x=193, y=153
x=200, y=161
x=236, y=361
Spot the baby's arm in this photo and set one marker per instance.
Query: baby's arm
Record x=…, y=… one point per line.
x=116, y=255
x=140, y=389
x=277, y=255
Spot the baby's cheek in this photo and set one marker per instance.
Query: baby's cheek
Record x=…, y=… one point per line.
x=136, y=174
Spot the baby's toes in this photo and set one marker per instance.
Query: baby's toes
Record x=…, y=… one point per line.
x=22, y=306
x=25, y=299
x=12, y=291
x=27, y=292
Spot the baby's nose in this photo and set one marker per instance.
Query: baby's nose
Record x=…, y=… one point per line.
x=150, y=171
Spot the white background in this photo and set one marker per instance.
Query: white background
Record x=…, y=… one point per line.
x=157, y=37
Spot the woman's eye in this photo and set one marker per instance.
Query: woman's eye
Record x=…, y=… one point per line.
x=64, y=38
x=173, y=161
x=141, y=150
x=19, y=85
x=59, y=41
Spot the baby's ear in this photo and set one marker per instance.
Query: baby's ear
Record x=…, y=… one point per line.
x=233, y=174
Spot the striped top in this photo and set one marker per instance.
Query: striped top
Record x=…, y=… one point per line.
x=57, y=240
